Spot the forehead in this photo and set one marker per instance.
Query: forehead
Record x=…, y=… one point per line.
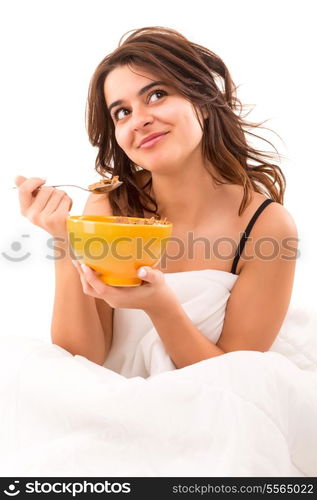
x=124, y=82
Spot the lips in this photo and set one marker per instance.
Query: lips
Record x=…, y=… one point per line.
x=150, y=137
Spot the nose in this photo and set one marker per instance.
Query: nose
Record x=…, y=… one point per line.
x=141, y=118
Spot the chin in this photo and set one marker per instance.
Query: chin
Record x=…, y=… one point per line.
x=159, y=168
x=161, y=165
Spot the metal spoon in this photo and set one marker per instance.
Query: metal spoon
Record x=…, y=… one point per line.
x=106, y=188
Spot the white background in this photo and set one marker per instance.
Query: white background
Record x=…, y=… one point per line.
x=49, y=50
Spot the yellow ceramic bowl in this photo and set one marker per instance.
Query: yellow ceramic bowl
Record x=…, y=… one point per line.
x=114, y=249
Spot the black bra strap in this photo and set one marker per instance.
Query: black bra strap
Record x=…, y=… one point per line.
x=246, y=234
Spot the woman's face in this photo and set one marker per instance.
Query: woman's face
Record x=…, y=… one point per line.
x=148, y=109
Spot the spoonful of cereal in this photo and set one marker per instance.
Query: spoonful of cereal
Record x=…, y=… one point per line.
x=103, y=186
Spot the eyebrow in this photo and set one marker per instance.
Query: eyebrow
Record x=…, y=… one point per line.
x=142, y=91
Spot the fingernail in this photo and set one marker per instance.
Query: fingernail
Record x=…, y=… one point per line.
x=84, y=268
x=142, y=272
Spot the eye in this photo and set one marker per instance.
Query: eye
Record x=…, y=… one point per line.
x=116, y=114
x=158, y=91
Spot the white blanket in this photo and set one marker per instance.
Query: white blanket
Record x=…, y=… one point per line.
x=240, y=414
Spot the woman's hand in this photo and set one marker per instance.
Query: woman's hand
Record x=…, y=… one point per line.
x=47, y=208
x=153, y=295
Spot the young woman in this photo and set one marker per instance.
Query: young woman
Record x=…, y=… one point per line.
x=163, y=114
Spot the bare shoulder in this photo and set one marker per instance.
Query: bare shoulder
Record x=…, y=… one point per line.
x=261, y=295
x=273, y=238
x=275, y=220
x=98, y=204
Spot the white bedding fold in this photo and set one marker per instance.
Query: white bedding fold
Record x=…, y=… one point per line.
x=240, y=414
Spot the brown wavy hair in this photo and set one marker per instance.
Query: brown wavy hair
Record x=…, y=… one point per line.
x=200, y=76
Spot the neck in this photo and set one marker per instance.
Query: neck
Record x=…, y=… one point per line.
x=186, y=196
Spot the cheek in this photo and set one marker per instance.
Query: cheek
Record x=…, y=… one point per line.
x=190, y=129
x=125, y=142
x=168, y=113
x=120, y=137
x=183, y=117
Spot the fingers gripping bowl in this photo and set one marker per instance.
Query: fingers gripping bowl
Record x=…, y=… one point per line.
x=116, y=247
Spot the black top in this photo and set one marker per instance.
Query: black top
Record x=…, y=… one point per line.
x=246, y=234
